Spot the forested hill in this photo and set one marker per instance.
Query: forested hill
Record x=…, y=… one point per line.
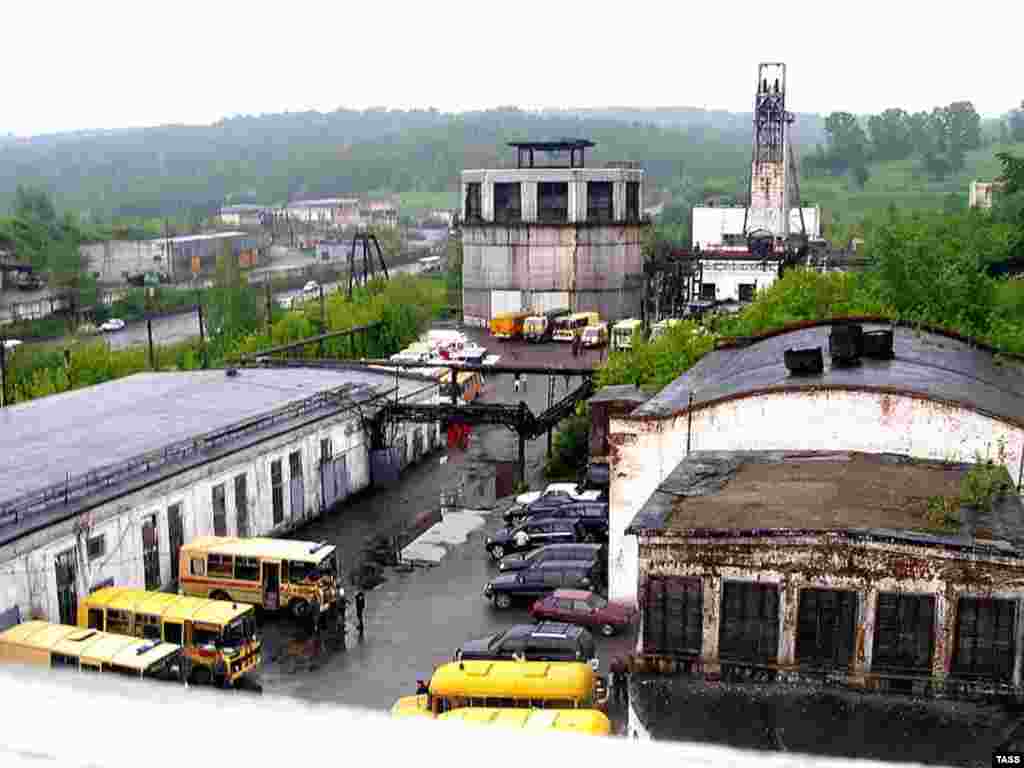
x=273, y=158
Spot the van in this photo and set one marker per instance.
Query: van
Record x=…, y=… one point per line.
x=567, y=328
x=595, y=335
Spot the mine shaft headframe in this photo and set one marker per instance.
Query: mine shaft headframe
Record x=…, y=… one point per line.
x=770, y=115
x=362, y=241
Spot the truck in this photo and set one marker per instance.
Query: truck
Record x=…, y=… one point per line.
x=508, y=325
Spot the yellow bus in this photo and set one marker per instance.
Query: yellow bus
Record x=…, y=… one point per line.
x=301, y=576
x=588, y=722
x=469, y=385
x=508, y=325
x=505, y=684
x=624, y=332
x=58, y=645
x=595, y=335
x=218, y=638
x=568, y=328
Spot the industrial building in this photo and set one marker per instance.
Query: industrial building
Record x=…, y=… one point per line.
x=104, y=484
x=552, y=233
x=937, y=397
x=245, y=215
x=340, y=212
x=178, y=258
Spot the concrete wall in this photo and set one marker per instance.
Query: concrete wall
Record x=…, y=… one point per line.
x=115, y=257
x=824, y=562
x=590, y=263
x=643, y=453
x=27, y=576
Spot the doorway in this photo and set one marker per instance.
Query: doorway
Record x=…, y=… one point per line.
x=271, y=586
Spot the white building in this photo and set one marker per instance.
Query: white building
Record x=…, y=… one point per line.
x=104, y=484
x=244, y=215
x=938, y=398
x=713, y=228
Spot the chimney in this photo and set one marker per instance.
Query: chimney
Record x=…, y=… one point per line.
x=878, y=345
x=804, y=362
x=846, y=344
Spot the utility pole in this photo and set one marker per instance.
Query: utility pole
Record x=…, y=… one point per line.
x=270, y=314
x=149, y=330
x=551, y=397
x=323, y=318
x=202, y=331
x=3, y=371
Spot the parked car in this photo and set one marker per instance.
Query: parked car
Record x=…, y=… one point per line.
x=12, y=344
x=546, y=641
x=585, y=608
x=588, y=553
x=586, y=510
x=533, y=534
x=572, y=490
x=539, y=581
x=518, y=512
x=113, y=324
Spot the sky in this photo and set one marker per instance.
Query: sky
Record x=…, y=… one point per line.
x=113, y=64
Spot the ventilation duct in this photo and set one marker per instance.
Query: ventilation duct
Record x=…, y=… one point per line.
x=846, y=343
x=878, y=345
x=804, y=362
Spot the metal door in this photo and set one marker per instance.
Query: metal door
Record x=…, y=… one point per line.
x=175, y=537
x=904, y=633
x=341, y=487
x=220, y=511
x=242, y=505
x=150, y=553
x=673, y=615
x=67, y=591
x=271, y=586
x=826, y=620
x=749, y=629
x=296, y=485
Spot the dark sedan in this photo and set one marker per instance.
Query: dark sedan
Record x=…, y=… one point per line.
x=584, y=608
x=533, y=534
x=590, y=553
x=539, y=581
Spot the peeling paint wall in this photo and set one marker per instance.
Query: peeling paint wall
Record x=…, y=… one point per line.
x=826, y=562
x=644, y=452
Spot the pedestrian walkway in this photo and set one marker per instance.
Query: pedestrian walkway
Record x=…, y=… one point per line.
x=453, y=529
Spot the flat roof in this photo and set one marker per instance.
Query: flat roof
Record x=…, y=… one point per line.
x=286, y=549
x=169, y=606
x=555, y=145
x=101, y=427
x=926, y=364
x=761, y=492
x=208, y=236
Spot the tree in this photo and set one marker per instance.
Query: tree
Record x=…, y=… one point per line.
x=963, y=131
x=921, y=136
x=890, y=135
x=1016, y=120
x=33, y=204
x=848, y=145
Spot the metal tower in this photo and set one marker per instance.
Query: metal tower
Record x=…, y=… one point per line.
x=362, y=241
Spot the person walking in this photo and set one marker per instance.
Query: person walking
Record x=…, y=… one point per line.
x=360, y=607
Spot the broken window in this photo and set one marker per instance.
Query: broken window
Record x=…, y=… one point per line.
x=749, y=628
x=553, y=201
x=632, y=200
x=508, y=204
x=673, y=615
x=600, y=206
x=825, y=626
x=904, y=633
x=985, y=638
x=220, y=519
x=474, y=205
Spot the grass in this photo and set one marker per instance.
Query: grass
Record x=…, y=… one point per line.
x=424, y=201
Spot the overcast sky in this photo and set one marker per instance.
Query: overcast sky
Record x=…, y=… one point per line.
x=113, y=64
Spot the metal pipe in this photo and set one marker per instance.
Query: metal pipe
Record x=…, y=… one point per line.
x=1020, y=472
x=689, y=423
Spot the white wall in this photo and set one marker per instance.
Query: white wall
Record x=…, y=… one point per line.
x=711, y=224
x=727, y=275
x=645, y=452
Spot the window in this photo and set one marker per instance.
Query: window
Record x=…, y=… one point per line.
x=118, y=622
x=553, y=201
x=247, y=568
x=221, y=565
x=242, y=505
x=632, y=200
x=197, y=566
x=904, y=633
x=147, y=626
x=985, y=638
x=474, y=207
x=172, y=633
x=96, y=546
x=507, y=202
x=825, y=627
x=746, y=291
x=294, y=467
x=277, y=490
x=296, y=571
x=326, y=452
x=553, y=578
x=204, y=636
x=220, y=523
x=581, y=605
x=707, y=291
x=600, y=205
x=750, y=622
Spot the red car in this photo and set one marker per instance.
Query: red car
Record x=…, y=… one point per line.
x=577, y=606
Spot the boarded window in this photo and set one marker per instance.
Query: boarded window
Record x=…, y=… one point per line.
x=749, y=622
x=220, y=517
x=474, y=206
x=904, y=633
x=600, y=205
x=553, y=201
x=277, y=490
x=507, y=202
x=825, y=626
x=632, y=200
x=673, y=615
x=985, y=634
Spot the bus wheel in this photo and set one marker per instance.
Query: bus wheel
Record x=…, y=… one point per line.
x=220, y=595
x=201, y=676
x=502, y=601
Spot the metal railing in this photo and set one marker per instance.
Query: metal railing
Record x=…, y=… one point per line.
x=95, y=481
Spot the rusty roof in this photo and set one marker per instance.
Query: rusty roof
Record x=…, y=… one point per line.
x=927, y=363
x=741, y=493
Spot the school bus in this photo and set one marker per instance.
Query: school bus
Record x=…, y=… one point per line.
x=508, y=325
x=539, y=328
x=505, y=684
x=44, y=644
x=468, y=385
x=301, y=576
x=623, y=333
x=661, y=328
x=588, y=722
x=218, y=638
x=568, y=328
x=595, y=335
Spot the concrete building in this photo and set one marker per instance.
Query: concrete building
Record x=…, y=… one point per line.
x=938, y=397
x=715, y=228
x=180, y=258
x=552, y=233
x=981, y=193
x=341, y=212
x=104, y=484
x=244, y=215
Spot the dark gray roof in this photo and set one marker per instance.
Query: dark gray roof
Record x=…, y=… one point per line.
x=725, y=494
x=926, y=364
x=617, y=393
x=83, y=430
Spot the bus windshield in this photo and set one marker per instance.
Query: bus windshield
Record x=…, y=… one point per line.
x=239, y=632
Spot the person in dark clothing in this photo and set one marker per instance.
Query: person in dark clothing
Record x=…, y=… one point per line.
x=421, y=688
x=360, y=607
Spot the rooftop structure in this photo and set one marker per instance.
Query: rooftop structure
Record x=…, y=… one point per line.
x=550, y=153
